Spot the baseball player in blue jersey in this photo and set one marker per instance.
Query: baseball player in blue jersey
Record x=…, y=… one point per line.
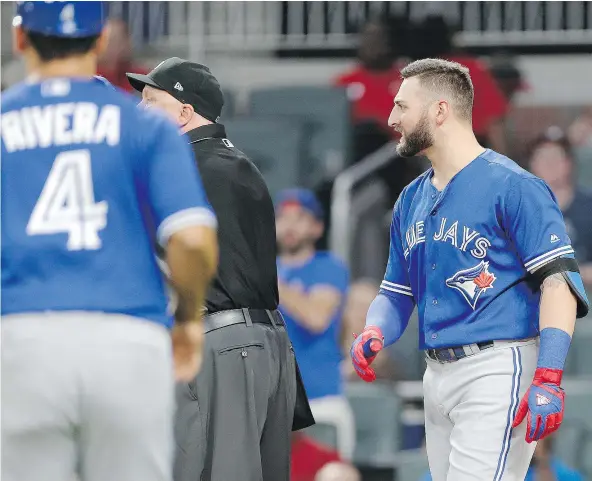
x=479, y=246
x=90, y=183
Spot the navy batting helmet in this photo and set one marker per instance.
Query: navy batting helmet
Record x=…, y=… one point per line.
x=60, y=19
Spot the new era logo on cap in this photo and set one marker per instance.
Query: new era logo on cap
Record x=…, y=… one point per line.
x=179, y=87
x=542, y=400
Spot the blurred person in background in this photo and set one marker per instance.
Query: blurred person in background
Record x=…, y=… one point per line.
x=545, y=466
x=510, y=82
x=117, y=58
x=551, y=159
x=338, y=471
x=580, y=137
x=312, y=289
x=433, y=38
x=580, y=131
x=373, y=83
x=309, y=456
x=361, y=294
x=507, y=75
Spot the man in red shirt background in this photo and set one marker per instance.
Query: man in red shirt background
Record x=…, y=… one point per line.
x=384, y=48
x=373, y=83
x=117, y=58
x=432, y=38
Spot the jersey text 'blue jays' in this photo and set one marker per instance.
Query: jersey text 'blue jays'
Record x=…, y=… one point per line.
x=463, y=254
x=90, y=183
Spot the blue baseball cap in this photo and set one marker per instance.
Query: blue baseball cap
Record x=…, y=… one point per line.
x=60, y=19
x=303, y=198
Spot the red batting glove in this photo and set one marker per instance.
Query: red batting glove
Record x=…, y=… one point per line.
x=542, y=405
x=364, y=350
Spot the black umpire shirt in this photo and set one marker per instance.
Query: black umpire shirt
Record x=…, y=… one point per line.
x=247, y=272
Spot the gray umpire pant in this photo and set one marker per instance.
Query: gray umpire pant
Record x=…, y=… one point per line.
x=234, y=422
x=87, y=396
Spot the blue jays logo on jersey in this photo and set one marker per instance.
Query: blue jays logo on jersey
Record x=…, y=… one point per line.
x=472, y=282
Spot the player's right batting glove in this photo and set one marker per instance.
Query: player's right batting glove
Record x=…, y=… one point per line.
x=542, y=405
x=364, y=350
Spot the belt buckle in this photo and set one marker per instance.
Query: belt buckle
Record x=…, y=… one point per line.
x=442, y=355
x=445, y=355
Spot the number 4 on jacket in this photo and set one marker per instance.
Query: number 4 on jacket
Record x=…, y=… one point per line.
x=67, y=203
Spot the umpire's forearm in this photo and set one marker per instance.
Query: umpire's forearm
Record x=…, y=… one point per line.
x=192, y=257
x=558, y=305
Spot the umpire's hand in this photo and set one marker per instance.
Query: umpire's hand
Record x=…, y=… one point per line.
x=188, y=338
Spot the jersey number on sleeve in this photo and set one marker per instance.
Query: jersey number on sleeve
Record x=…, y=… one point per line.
x=67, y=203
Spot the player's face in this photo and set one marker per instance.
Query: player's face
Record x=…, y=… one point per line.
x=296, y=229
x=551, y=163
x=155, y=98
x=410, y=117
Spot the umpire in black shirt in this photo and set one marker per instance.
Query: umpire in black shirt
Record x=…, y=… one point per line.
x=234, y=422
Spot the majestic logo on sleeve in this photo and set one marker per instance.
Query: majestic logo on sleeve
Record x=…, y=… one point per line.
x=472, y=282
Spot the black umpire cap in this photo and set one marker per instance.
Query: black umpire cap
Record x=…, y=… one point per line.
x=189, y=82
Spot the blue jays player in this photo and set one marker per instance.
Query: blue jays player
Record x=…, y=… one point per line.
x=479, y=246
x=89, y=184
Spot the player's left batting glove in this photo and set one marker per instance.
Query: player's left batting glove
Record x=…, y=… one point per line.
x=542, y=405
x=364, y=350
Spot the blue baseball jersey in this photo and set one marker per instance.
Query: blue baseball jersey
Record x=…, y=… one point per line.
x=90, y=183
x=319, y=354
x=463, y=254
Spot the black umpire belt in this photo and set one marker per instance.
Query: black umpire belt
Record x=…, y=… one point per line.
x=451, y=354
x=220, y=319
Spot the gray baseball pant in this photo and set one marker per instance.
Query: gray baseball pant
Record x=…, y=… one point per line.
x=234, y=422
x=470, y=405
x=88, y=395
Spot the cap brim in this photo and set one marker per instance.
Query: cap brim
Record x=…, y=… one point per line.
x=139, y=81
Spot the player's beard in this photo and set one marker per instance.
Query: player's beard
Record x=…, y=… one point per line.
x=417, y=141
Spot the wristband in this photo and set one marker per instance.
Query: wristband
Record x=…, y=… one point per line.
x=554, y=347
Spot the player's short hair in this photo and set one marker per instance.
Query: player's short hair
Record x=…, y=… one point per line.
x=440, y=75
x=49, y=47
